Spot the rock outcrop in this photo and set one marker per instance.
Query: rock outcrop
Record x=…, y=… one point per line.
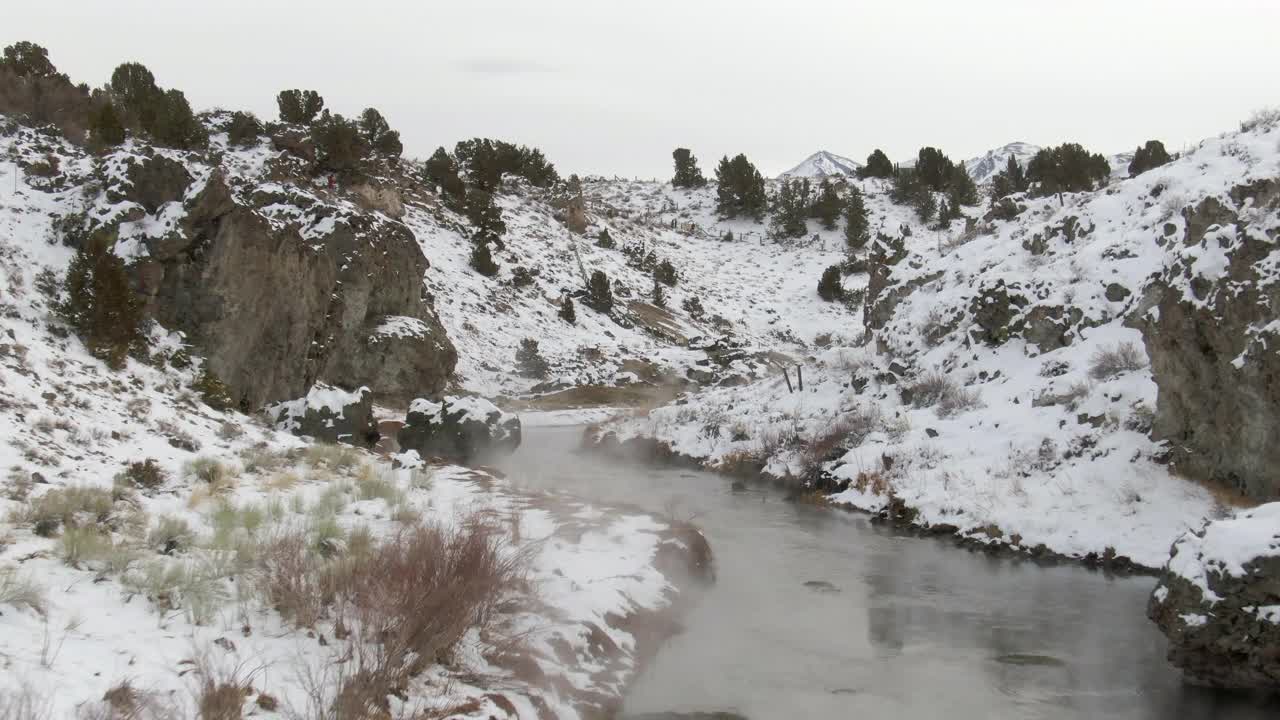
x=1213, y=336
x=1218, y=602
x=279, y=304
x=330, y=414
x=461, y=429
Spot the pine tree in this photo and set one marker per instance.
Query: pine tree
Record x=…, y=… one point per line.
x=934, y=169
x=857, y=228
x=599, y=292
x=688, y=175
x=378, y=134
x=567, y=312
x=827, y=206
x=665, y=273
x=878, y=166
x=1009, y=181
x=339, y=143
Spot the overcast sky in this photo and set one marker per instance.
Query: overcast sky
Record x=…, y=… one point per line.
x=611, y=86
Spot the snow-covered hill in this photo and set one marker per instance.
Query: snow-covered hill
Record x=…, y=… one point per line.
x=823, y=164
x=984, y=167
x=1003, y=387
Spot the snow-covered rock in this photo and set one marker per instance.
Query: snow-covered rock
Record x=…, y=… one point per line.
x=329, y=414
x=463, y=429
x=1218, y=601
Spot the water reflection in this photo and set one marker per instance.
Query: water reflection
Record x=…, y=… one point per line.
x=914, y=628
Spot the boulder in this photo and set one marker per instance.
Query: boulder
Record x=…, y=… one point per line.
x=329, y=414
x=1218, y=602
x=462, y=429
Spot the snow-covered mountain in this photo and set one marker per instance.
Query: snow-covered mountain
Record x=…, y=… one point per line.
x=824, y=164
x=986, y=166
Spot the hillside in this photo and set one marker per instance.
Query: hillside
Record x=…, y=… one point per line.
x=823, y=164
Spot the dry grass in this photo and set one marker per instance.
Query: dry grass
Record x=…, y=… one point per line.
x=126, y=702
x=24, y=704
x=1107, y=363
x=847, y=431
x=937, y=390
x=875, y=483
x=68, y=507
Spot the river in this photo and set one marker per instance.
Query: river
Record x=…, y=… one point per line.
x=889, y=626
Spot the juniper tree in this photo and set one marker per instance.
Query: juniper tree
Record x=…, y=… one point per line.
x=878, y=166
x=829, y=287
x=243, y=129
x=934, y=169
x=740, y=188
x=687, y=175
x=105, y=128
x=856, y=228
x=482, y=260
x=28, y=60
x=339, y=143
x=485, y=217
x=101, y=305
x=826, y=207
x=791, y=208
x=442, y=172
x=1067, y=168
x=300, y=107
x=599, y=292
x=1010, y=180
x=961, y=190
x=378, y=135
x=567, y=312
x=530, y=360
x=1151, y=155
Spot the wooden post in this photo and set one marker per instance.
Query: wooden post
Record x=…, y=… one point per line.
x=800, y=377
x=788, y=379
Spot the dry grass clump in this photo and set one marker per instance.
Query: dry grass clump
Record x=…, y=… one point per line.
x=210, y=471
x=19, y=591
x=126, y=702
x=937, y=390
x=24, y=704
x=1107, y=363
x=75, y=506
x=406, y=601
x=337, y=458
x=875, y=483
x=146, y=475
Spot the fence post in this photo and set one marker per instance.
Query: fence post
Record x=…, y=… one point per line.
x=800, y=377
x=788, y=379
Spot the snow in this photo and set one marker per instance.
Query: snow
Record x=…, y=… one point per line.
x=320, y=397
x=1225, y=547
x=985, y=167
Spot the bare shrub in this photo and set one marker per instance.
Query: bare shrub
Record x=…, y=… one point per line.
x=1261, y=118
x=930, y=389
x=1107, y=363
x=127, y=702
x=24, y=704
x=146, y=474
x=847, y=431
x=958, y=401
x=68, y=507
x=214, y=473
x=19, y=591
x=874, y=482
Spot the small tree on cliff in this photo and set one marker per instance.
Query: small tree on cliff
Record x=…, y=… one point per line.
x=1149, y=156
x=299, y=106
x=567, y=312
x=857, y=228
x=530, y=360
x=100, y=304
x=878, y=166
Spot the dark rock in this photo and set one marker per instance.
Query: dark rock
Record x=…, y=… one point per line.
x=295, y=140
x=994, y=310
x=462, y=429
x=274, y=313
x=1213, y=354
x=156, y=181
x=1117, y=292
x=331, y=415
x=931, y=432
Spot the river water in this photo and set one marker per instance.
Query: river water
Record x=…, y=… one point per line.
x=889, y=625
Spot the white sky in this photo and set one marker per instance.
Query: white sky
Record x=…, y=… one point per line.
x=611, y=86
